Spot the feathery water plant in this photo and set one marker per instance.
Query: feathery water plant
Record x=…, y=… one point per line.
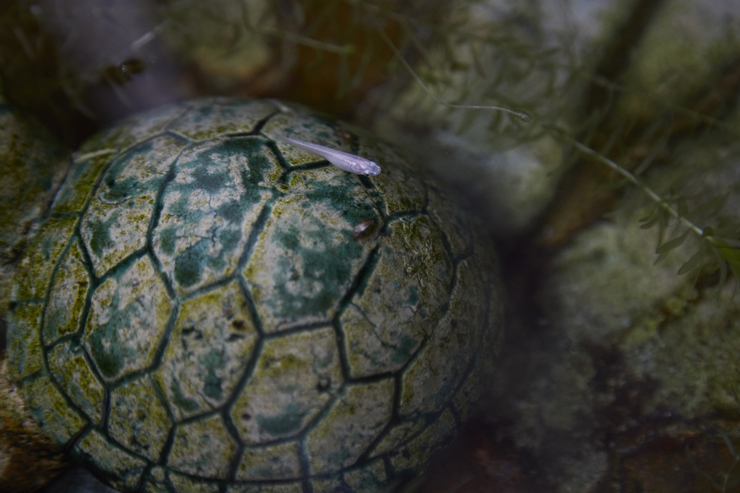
x=450, y=64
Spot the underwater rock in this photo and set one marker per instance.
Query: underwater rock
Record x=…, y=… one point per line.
x=28, y=459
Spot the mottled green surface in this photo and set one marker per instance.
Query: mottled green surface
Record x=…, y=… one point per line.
x=32, y=167
x=197, y=315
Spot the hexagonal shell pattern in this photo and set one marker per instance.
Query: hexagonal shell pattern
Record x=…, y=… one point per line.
x=208, y=351
x=200, y=313
x=120, y=308
x=295, y=377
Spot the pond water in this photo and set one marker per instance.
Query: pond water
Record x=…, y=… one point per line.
x=614, y=204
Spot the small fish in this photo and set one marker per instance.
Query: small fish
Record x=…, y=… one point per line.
x=342, y=160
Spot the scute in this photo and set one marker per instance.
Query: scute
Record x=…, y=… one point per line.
x=305, y=127
x=116, y=222
x=217, y=188
x=47, y=404
x=386, y=323
x=121, y=307
x=24, y=341
x=295, y=377
x=210, y=118
x=139, y=421
x=124, y=468
x=351, y=425
x=72, y=370
x=305, y=259
x=417, y=452
x=208, y=352
x=32, y=276
x=69, y=290
x=430, y=380
x=203, y=448
x=199, y=314
x=270, y=461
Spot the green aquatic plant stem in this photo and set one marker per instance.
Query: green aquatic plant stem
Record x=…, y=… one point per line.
x=310, y=42
x=413, y=73
x=646, y=189
x=723, y=251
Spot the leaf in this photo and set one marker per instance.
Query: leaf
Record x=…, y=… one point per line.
x=650, y=215
x=722, y=242
x=732, y=481
x=683, y=207
x=722, y=268
x=692, y=263
x=651, y=219
x=710, y=209
x=735, y=268
x=663, y=221
x=730, y=447
x=674, y=243
x=730, y=254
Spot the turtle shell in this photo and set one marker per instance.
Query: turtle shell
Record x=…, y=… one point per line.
x=32, y=167
x=208, y=308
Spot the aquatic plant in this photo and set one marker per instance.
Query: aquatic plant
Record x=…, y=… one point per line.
x=450, y=64
x=726, y=480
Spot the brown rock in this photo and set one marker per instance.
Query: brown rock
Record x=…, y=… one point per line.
x=28, y=460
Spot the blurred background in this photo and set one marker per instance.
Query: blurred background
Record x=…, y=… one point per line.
x=615, y=204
